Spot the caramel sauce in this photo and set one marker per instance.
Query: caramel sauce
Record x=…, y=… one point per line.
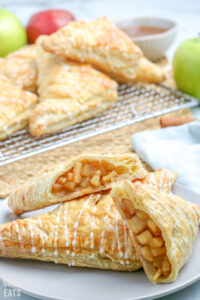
x=136, y=31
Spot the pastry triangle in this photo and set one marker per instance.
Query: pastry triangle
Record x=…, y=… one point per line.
x=15, y=107
x=103, y=45
x=70, y=93
x=87, y=232
x=163, y=227
x=83, y=175
x=21, y=69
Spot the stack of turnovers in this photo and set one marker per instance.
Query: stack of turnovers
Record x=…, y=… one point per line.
x=70, y=92
x=88, y=230
x=65, y=70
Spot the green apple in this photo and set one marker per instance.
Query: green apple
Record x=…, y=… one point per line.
x=186, y=67
x=12, y=33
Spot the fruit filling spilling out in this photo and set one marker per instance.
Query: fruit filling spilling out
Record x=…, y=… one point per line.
x=148, y=241
x=88, y=176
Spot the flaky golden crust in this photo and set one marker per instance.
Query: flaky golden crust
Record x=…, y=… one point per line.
x=86, y=232
x=69, y=93
x=148, y=72
x=39, y=193
x=106, y=47
x=21, y=69
x=176, y=218
x=15, y=107
x=161, y=180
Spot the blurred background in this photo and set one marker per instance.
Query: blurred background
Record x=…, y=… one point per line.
x=185, y=13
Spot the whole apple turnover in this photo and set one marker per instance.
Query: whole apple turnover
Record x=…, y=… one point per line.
x=87, y=232
x=15, y=107
x=83, y=175
x=70, y=93
x=103, y=45
x=163, y=227
x=21, y=69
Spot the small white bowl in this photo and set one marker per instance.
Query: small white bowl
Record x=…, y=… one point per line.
x=153, y=46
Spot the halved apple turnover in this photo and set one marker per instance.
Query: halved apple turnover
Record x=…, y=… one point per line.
x=84, y=175
x=163, y=227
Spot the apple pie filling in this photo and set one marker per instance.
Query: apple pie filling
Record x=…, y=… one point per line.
x=148, y=241
x=88, y=176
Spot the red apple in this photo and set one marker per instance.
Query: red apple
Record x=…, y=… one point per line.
x=47, y=22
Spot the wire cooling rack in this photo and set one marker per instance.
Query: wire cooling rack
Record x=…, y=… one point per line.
x=136, y=103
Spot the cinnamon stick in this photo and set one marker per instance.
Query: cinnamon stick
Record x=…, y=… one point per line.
x=167, y=121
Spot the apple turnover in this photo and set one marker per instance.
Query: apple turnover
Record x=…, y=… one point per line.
x=21, y=69
x=88, y=232
x=103, y=45
x=84, y=175
x=15, y=107
x=70, y=93
x=163, y=227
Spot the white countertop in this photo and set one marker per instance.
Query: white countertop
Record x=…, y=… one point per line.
x=185, y=12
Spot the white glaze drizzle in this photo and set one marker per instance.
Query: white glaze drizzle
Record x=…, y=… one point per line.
x=102, y=242
x=152, y=181
x=17, y=230
x=56, y=234
x=92, y=234
x=41, y=234
x=117, y=236
x=33, y=249
x=94, y=209
x=162, y=180
x=76, y=224
x=182, y=243
x=101, y=250
x=65, y=226
x=125, y=241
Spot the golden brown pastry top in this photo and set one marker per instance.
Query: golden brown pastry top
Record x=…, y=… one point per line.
x=98, y=33
x=103, y=45
x=161, y=180
x=15, y=106
x=21, y=69
x=85, y=232
x=72, y=81
x=14, y=98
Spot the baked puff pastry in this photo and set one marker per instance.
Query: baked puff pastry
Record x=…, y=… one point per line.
x=163, y=227
x=70, y=93
x=161, y=180
x=21, y=68
x=15, y=107
x=103, y=45
x=88, y=232
x=84, y=175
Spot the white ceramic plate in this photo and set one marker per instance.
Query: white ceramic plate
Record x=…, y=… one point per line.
x=50, y=281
